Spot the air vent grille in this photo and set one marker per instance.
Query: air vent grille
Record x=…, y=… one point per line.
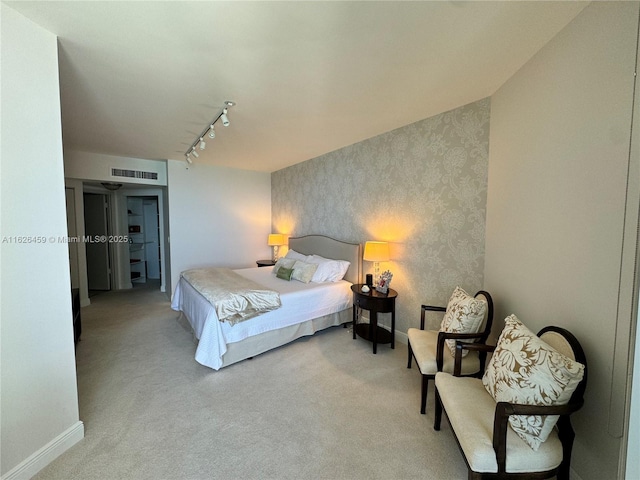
x=119, y=172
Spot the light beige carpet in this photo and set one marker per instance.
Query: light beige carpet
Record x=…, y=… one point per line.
x=323, y=407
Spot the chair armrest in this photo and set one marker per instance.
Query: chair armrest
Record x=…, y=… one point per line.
x=442, y=336
x=434, y=309
x=482, y=348
x=501, y=420
x=425, y=308
x=519, y=409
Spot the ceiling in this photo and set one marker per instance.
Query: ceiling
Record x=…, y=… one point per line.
x=143, y=79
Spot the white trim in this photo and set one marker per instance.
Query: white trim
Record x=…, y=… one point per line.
x=47, y=454
x=402, y=337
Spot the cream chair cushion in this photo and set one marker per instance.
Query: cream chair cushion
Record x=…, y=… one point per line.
x=423, y=343
x=524, y=369
x=464, y=314
x=470, y=410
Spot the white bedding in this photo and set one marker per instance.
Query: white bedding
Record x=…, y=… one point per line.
x=300, y=302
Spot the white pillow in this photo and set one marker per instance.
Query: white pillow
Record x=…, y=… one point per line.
x=282, y=262
x=296, y=256
x=328, y=270
x=303, y=271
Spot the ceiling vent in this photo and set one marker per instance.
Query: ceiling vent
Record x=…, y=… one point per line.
x=119, y=172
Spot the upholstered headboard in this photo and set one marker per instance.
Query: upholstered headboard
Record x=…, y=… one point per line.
x=331, y=248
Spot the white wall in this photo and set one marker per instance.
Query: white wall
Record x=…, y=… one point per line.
x=558, y=171
x=39, y=401
x=96, y=166
x=217, y=217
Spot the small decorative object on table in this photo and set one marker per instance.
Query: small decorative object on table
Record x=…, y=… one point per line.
x=384, y=281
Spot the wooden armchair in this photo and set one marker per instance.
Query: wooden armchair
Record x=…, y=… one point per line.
x=431, y=353
x=493, y=448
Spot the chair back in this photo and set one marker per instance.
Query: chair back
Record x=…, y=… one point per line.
x=485, y=328
x=565, y=343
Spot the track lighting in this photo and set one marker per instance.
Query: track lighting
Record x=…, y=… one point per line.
x=211, y=130
x=224, y=118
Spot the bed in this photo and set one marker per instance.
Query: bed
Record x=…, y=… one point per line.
x=305, y=308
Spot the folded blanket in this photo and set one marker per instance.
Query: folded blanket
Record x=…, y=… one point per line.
x=234, y=297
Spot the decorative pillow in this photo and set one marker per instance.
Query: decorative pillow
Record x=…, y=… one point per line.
x=464, y=314
x=328, y=270
x=296, y=256
x=284, y=273
x=526, y=370
x=303, y=271
x=283, y=262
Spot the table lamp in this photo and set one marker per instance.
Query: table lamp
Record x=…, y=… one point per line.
x=275, y=240
x=376, y=252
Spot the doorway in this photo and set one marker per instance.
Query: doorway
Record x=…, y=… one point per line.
x=72, y=233
x=96, y=224
x=144, y=215
x=144, y=239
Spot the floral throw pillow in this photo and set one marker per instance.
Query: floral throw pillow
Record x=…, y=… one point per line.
x=303, y=271
x=464, y=314
x=525, y=370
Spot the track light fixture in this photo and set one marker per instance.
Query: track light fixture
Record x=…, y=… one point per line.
x=224, y=118
x=209, y=129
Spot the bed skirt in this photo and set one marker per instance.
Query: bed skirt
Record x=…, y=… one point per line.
x=257, y=344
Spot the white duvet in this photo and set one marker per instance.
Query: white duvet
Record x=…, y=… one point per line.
x=300, y=302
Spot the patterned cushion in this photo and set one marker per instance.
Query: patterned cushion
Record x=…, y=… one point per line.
x=525, y=370
x=303, y=271
x=464, y=314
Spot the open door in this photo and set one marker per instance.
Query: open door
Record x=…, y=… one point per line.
x=72, y=232
x=96, y=228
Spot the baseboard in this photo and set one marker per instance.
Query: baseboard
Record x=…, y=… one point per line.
x=386, y=323
x=573, y=475
x=47, y=454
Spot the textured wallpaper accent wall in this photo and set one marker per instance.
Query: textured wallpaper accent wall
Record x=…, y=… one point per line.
x=422, y=187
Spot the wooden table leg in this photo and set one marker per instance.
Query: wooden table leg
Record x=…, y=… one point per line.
x=354, y=322
x=374, y=329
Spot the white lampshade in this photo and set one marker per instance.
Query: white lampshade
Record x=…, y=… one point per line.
x=275, y=239
x=376, y=252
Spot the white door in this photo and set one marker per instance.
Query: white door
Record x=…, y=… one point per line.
x=151, y=237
